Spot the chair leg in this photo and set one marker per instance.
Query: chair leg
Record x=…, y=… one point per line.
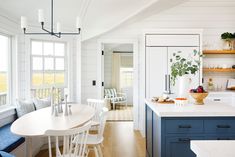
x=96, y=151
x=114, y=106
x=87, y=151
x=100, y=151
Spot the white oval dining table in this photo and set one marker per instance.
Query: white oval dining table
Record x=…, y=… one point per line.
x=36, y=123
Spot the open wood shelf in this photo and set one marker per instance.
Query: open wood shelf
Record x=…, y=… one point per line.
x=218, y=51
x=218, y=70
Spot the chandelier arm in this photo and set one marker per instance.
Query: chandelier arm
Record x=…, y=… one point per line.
x=34, y=33
x=42, y=24
x=48, y=32
x=70, y=33
x=58, y=35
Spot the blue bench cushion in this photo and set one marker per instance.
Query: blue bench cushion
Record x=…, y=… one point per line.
x=4, y=154
x=9, y=141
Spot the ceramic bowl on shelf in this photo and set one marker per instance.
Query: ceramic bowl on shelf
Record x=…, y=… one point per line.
x=199, y=97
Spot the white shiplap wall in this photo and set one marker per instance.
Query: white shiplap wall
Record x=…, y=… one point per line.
x=89, y=70
x=213, y=16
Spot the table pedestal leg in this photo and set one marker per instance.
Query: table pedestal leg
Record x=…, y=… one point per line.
x=29, y=147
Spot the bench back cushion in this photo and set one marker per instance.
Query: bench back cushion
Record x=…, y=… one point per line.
x=41, y=103
x=24, y=107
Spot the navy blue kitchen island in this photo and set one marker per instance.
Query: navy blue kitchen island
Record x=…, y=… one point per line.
x=169, y=128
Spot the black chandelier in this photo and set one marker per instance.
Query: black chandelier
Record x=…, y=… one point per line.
x=41, y=20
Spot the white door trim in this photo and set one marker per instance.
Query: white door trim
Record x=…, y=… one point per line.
x=136, y=73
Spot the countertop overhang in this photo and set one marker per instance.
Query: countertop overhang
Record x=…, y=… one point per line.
x=209, y=109
x=209, y=148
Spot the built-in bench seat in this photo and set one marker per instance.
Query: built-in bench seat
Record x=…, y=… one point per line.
x=9, y=141
x=4, y=154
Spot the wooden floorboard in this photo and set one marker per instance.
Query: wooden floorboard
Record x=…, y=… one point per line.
x=120, y=141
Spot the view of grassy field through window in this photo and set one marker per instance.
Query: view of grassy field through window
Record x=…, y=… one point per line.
x=4, y=50
x=37, y=80
x=3, y=82
x=49, y=79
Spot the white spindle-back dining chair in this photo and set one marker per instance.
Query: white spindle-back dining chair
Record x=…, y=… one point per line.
x=71, y=147
x=98, y=105
x=95, y=140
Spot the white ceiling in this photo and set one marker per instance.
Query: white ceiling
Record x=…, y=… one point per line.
x=103, y=13
x=98, y=16
x=65, y=11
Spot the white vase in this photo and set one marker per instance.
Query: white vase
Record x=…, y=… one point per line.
x=184, y=86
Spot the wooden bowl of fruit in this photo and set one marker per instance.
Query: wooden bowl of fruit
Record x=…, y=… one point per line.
x=199, y=94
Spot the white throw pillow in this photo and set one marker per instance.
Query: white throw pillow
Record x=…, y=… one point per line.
x=24, y=107
x=41, y=103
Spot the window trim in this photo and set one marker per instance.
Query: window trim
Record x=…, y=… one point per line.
x=9, y=70
x=65, y=57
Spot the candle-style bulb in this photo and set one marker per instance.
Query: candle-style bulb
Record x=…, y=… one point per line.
x=58, y=27
x=78, y=23
x=23, y=22
x=40, y=16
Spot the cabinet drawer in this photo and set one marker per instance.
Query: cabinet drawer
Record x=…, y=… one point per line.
x=222, y=137
x=220, y=126
x=184, y=126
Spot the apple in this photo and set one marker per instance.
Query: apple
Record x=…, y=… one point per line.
x=199, y=89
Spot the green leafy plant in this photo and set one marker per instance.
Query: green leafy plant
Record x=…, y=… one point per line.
x=181, y=66
x=227, y=36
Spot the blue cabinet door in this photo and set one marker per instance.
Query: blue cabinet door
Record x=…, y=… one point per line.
x=180, y=146
x=149, y=132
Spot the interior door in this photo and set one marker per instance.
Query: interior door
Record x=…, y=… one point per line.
x=156, y=68
x=186, y=52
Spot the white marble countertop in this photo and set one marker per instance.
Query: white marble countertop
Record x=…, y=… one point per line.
x=209, y=109
x=209, y=148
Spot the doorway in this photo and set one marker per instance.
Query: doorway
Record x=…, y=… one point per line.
x=118, y=81
x=132, y=72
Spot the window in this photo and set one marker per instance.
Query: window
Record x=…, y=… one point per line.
x=48, y=64
x=126, y=77
x=4, y=68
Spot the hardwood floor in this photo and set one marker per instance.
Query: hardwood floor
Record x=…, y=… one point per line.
x=120, y=141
